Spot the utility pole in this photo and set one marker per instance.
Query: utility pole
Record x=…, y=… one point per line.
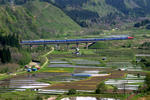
x=86, y=45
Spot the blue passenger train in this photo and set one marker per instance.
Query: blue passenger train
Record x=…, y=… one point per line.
x=41, y=42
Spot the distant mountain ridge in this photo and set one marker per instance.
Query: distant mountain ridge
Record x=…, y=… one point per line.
x=61, y=18
x=97, y=11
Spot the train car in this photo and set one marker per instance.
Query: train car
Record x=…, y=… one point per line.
x=72, y=40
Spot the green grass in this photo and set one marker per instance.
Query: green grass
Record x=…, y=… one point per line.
x=135, y=83
x=52, y=19
x=19, y=95
x=36, y=20
x=110, y=87
x=58, y=69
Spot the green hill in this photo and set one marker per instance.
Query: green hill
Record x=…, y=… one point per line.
x=87, y=12
x=36, y=19
x=61, y=18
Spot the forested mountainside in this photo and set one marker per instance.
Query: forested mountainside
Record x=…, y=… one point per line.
x=56, y=18
x=87, y=12
x=35, y=19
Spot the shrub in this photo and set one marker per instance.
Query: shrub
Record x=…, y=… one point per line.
x=115, y=89
x=71, y=92
x=147, y=81
x=97, y=91
x=101, y=88
x=25, y=59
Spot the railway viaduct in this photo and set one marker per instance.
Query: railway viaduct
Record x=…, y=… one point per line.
x=70, y=41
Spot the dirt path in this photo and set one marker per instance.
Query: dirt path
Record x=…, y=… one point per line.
x=47, y=60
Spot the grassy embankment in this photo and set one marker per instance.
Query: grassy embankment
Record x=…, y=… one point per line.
x=20, y=95
x=4, y=76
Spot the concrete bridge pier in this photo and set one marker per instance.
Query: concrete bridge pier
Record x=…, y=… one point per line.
x=68, y=46
x=44, y=46
x=77, y=45
x=30, y=46
x=57, y=46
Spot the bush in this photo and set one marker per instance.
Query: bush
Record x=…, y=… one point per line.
x=148, y=27
x=115, y=89
x=8, y=68
x=71, y=92
x=97, y=91
x=25, y=59
x=101, y=88
x=145, y=62
x=100, y=45
x=147, y=81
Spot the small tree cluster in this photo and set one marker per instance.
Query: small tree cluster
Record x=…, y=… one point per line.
x=142, y=23
x=5, y=55
x=71, y=92
x=26, y=58
x=101, y=88
x=145, y=45
x=10, y=40
x=145, y=62
x=146, y=87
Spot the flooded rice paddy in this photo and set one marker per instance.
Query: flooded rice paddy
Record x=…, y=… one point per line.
x=88, y=98
x=29, y=81
x=70, y=65
x=131, y=82
x=58, y=62
x=126, y=65
x=79, y=63
x=84, y=62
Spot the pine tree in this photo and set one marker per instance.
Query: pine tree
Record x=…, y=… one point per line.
x=4, y=56
x=8, y=58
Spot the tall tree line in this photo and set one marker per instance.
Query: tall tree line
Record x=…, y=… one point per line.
x=5, y=55
x=6, y=41
x=10, y=40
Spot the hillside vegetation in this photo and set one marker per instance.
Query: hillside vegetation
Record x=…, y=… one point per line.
x=87, y=12
x=35, y=20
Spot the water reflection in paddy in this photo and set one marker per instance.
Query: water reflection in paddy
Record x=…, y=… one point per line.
x=126, y=65
x=88, y=98
x=85, y=61
x=65, y=78
x=30, y=80
x=131, y=82
x=69, y=65
x=58, y=62
x=27, y=81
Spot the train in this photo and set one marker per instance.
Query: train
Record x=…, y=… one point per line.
x=27, y=42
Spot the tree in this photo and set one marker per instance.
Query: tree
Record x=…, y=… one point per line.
x=137, y=25
x=8, y=57
x=115, y=89
x=145, y=62
x=26, y=58
x=10, y=40
x=71, y=92
x=5, y=55
x=101, y=88
x=147, y=81
x=148, y=27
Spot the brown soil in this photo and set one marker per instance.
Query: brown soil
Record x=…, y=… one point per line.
x=88, y=84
